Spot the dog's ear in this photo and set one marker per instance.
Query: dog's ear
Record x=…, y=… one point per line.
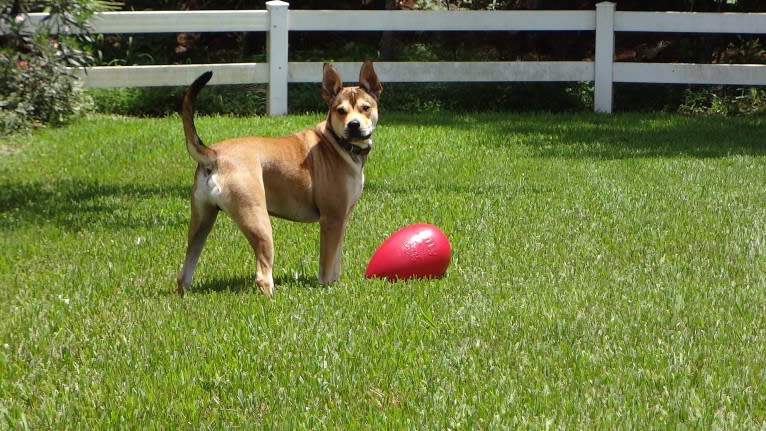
x=331, y=83
x=369, y=81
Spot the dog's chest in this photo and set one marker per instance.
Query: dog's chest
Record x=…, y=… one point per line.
x=354, y=186
x=354, y=179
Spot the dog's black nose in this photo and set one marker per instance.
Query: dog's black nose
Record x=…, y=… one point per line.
x=353, y=125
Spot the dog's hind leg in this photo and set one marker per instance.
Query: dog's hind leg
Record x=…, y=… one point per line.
x=202, y=220
x=257, y=229
x=253, y=221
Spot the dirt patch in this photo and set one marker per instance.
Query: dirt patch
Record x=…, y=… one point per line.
x=6, y=150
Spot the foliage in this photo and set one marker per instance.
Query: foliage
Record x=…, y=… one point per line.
x=238, y=100
x=461, y=97
x=608, y=272
x=721, y=100
x=37, y=85
x=730, y=100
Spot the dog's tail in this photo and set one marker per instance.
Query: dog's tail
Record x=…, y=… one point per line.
x=203, y=154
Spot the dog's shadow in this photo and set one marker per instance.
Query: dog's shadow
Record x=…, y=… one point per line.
x=246, y=284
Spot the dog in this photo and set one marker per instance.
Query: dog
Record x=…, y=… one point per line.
x=313, y=175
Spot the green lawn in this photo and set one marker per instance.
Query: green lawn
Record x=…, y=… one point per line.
x=608, y=272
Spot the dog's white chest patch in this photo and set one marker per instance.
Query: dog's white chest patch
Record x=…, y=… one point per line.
x=355, y=185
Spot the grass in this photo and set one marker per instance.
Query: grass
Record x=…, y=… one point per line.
x=609, y=272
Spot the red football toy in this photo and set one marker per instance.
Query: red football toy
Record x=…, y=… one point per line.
x=414, y=251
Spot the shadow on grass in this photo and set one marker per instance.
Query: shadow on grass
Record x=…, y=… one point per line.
x=592, y=136
x=246, y=284
x=76, y=205
x=235, y=284
x=445, y=186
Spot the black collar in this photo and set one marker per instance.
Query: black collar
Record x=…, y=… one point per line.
x=350, y=148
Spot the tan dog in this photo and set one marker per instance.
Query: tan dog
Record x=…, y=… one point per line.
x=315, y=174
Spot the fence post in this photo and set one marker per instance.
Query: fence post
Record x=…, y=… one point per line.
x=604, y=62
x=277, y=57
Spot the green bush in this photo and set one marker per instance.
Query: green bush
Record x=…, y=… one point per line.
x=236, y=100
x=462, y=97
x=38, y=86
x=722, y=100
x=36, y=90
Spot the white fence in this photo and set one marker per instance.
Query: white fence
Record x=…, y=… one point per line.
x=278, y=21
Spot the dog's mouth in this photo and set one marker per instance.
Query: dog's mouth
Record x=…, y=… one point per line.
x=359, y=138
x=357, y=135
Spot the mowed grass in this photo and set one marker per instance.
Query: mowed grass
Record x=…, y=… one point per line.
x=608, y=272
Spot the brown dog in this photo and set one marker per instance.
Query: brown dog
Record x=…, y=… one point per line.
x=315, y=174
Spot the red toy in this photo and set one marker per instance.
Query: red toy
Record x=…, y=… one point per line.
x=414, y=251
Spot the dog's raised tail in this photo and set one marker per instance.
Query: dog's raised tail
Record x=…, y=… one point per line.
x=203, y=154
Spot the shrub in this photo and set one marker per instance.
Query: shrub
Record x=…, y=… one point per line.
x=36, y=90
x=235, y=100
x=37, y=85
x=724, y=100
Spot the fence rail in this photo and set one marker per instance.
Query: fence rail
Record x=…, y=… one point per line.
x=277, y=21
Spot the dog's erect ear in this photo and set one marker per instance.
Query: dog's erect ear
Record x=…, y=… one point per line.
x=368, y=80
x=331, y=83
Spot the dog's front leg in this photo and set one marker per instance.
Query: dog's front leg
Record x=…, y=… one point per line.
x=331, y=231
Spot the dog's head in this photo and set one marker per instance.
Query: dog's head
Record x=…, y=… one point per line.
x=353, y=111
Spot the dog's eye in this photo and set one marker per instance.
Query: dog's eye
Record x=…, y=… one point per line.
x=365, y=108
x=341, y=111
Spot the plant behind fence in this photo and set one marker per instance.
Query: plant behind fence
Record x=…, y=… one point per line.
x=36, y=84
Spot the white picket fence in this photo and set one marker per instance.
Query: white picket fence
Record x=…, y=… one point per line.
x=277, y=21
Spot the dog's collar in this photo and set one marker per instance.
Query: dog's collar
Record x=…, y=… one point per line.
x=354, y=150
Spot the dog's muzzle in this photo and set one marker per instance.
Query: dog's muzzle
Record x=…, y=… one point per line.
x=354, y=131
